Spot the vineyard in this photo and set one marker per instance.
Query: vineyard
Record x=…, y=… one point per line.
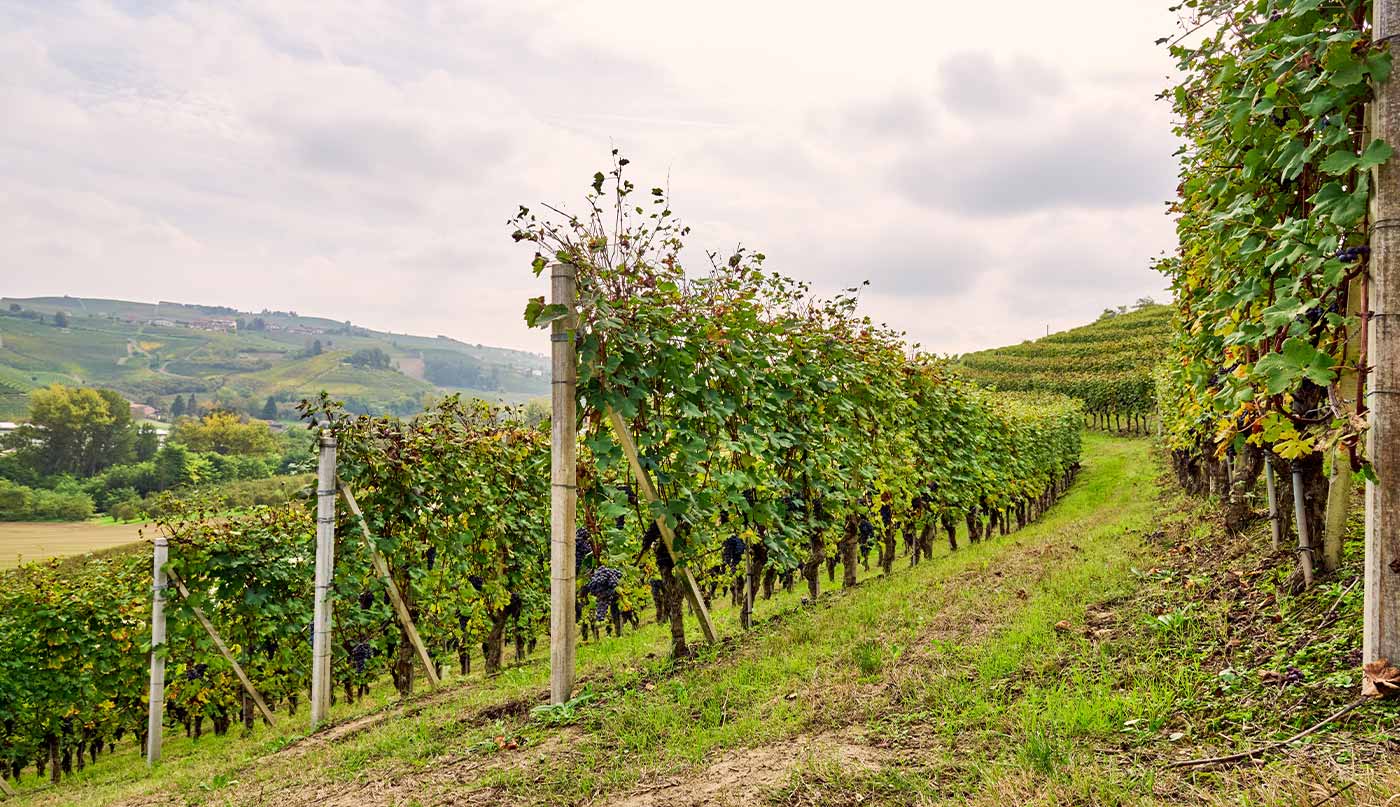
x=1109, y=366
x=966, y=597
x=787, y=436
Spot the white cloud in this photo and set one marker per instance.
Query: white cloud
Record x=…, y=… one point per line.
x=360, y=163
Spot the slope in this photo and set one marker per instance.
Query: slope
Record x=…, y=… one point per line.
x=877, y=677
x=151, y=352
x=1107, y=364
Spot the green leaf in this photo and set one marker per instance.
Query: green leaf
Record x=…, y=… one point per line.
x=1339, y=162
x=1376, y=153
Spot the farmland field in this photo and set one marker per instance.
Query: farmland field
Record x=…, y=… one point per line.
x=23, y=541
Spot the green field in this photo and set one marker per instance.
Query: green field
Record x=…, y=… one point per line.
x=115, y=344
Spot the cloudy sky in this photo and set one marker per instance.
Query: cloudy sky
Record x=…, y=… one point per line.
x=991, y=168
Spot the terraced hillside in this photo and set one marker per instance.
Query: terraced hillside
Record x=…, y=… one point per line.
x=152, y=352
x=1108, y=365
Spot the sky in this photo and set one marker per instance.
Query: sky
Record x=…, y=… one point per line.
x=992, y=170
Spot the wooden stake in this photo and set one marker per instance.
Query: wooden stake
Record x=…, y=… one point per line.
x=325, y=575
x=563, y=478
x=381, y=567
x=1381, y=622
x=5, y=788
x=692, y=589
x=224, y=651
x=155, y=717
x=1300, y=517
x=1275, y=520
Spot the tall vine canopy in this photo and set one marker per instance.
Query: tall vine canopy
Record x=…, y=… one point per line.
x=753, y=402
x=1275, y=179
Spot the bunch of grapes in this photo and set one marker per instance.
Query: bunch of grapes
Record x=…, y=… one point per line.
x=366, y=600
x=432, y=557
x=1352, y=254
x=733, y=551
x=360, y=653
x=583, y=548
x=867, y=532
x=195, y=672
x=603, y=586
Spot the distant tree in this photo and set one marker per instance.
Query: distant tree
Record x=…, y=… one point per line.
x=147, y=442
x=75, y=430
x=315, y=349
x=1143, y=302
x=259, y=324
x=60, y=320
x=16, y=307
x=269, y=410
x=224, y=432
x=1108, y=313
x=372, y=357
x=177, y=408
x=191, y=406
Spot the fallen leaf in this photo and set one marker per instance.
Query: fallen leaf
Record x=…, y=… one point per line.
x=1063, y=626
x=1380, y=680
x=1176, y=735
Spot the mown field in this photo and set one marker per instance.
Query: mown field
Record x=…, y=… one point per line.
x=24, y=542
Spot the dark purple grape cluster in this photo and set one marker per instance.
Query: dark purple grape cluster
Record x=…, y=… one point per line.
x=195, y=672
x=603, y=586
x=733, y=551
x=583, y=547
x=360, y=653
x=886, y=515
x=366, y=600
x=310, y=631
x=1352, y=254
x=866, y=530
x=432, y=557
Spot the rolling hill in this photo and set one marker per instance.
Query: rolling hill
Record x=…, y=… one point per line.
x=1107, y=364
x=152, y=352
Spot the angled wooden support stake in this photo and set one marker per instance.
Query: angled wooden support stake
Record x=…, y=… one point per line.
x=224, y=651
x=381, y=566
x=692, y=589
x=6, y=790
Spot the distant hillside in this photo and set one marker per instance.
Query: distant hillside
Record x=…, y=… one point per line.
x=152, y=352
x=1108, y=364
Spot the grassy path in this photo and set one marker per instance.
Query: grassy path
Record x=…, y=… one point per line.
x=975, y=677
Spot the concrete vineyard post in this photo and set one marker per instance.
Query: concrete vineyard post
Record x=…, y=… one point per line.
x=155, y=718
x=1381, y=631
x=325, y=575
x=1275, y=523
x=563, y=475
x=1300, y=518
